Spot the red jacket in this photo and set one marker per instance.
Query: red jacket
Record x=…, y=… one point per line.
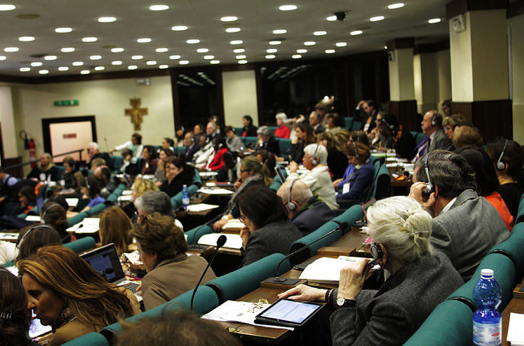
x=217, y=163
x=282, y=132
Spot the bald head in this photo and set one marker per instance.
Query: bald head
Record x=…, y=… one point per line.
x=300, y=194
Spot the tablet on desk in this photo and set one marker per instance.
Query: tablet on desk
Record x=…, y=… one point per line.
x=289, y=313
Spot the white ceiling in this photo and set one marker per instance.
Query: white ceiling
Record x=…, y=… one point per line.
x=256, y=18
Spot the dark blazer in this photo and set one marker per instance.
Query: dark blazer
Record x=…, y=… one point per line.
x=372, y=124
x=176, y=185
x=249, y=131
x=405, y=145
x=392, y=317
x=313, y=215
x=190, y=151
x=104, y=156
x=467, y=231
x=271, y=145
x=35, y=173
x=337, y=162
x=359, y=181
x=440, y=141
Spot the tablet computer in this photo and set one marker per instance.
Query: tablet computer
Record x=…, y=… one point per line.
x=280, y=174
x=289, y=313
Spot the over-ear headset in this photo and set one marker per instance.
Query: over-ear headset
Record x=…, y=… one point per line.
x=71, y=163
x=390, y=126
x=50, y=207
x=290, y=204
x=314, y=160
x=429, y=186
x=501, y=165
x=356, y=151
x=436, y=119
x=31, y=230
x=376, y=251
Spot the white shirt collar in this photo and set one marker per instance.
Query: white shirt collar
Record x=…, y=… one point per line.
x=449, y=205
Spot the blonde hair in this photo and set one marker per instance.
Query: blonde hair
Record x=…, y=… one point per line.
x=115, y=226
x=142, y=186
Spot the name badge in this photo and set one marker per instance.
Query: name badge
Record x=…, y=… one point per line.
x=345, y=188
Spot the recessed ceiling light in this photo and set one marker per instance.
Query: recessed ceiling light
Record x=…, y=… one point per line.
x=163, y=67
x=270, y=56
x=202, y=50
x=275, y=43
x=376, y=18
x=193, y=41
x=26, y=38
x=229, y=19
x=3, y=57
x=25, y=69
x=158, y=7
x=89, y=39
x=67, y=50
x=7, y=7
x=63, y=68
x=271, y=50
x=137, y=57
x=434, y=21
x=235, y=42
x=43, y=71
x=63, y=30
x=78, y=63
x=296, y=56
x=85, y=72
x=385, y=47
x=36, y=64
x=301, y=51
x=232, y=30
x=183, y=62
x=239, y=50
x=288, y=7
x=240, y=57
x=209, y=57
x=50, y=57
x=356, y=32
x=107, y=19
x=214, y=62
x=179, y=28
x=95, y=57
x=116, y=63
x=332, y=18
x=174, y=57
x=242, y=62
x=132, y=67
x=11, y=49
x=309, y=43
x=144, y=40
x=395, y=6
x=161, y=50
x=319, y=33
x=117, y=50
x=279, y=31
x=151, y=62
x=330, y=51
x=100, y=68
x=341, y=44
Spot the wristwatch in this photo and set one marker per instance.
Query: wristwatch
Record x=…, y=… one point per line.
x=345, y=303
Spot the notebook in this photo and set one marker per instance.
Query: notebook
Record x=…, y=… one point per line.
x=105, y=261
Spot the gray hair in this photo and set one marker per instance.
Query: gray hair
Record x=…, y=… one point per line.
x=402, y=226
x=263, y=130
x=318, y=151
x=155, y=202
x=282, y=116
x=94, y=144
x=449, y=171
x=300, y=193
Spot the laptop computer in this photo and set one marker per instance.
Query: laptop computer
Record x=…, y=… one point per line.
x=106, y=262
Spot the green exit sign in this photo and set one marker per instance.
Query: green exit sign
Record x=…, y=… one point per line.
x=66, y=103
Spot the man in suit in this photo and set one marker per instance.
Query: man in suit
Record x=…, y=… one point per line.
x=191, y=146
x=266, y=141
x=432, y=126
x=368, y=122
x=305, y=210
x=465, y=226
x=315, y=121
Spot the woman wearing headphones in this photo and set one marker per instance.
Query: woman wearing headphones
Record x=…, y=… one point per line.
x=419, y=280
x=362, y=176
x=178, y=174
x=33, y=238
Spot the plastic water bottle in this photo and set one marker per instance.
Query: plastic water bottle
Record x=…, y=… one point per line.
x=487, y=324
x=185, y=197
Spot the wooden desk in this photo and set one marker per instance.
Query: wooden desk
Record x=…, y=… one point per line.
x=515, y=305
x=347, y=244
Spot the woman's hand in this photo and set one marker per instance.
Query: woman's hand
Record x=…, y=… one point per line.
x=304, y=293
x=352, y=278
x=238, y=183
x=219, y=224
x=336, y=182
x=245, y=233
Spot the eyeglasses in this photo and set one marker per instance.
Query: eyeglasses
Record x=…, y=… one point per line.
x=242, y=218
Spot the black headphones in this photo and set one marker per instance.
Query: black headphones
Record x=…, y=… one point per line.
x=429, y=186
x=45, y=212
x=314, y=160
x=290, y=204
x=501, y=166
x=31, y=230
x=376, y=251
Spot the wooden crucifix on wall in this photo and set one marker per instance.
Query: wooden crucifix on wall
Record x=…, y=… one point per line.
x=136, y=113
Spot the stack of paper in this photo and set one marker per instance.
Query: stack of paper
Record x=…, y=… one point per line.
x=88, y=225
x=326, y=270
x=215, y=191
x=515, y=330
x=9, y=236
x=201, y=207
x=35, y=218
x=72, y=202
x=233, y=240
x=235, y=224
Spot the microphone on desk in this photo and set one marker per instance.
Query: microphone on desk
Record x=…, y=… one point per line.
x=278, y=280
x=220, y=242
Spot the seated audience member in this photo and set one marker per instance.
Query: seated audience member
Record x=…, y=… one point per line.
x=215, y=162
x=451, y=122
x=26, y=199
x=34, y=237
x=178, y=174
x=93, y=152
x=68, y=294
x=179, y=137
x=337, y=161
x=8, y=187
x=267, y=228
x=129, y=165
x=486, y=180
x=108, y=182
x=467, y=134
x=163, y=156
x=282, y=131
x=169, y=143
x=342, y=138
x=446, y=107
x=8, y=251
x=368, y=119
x=400, y=231
x=266, y=141
x=55, y=215
x=211, y=130
x=508, y=158
x=317, y=175
x=455, y=205
x=206, y=150
x=98, y=162
x=305, y=136
x=135, y=145
x=192, y=146
x=362, y=177
x=175, y=327
x=114, y=228
x=90, y=187
x=14, y=317
x=315, y=121
x=170, y=271
x=293, y=123
x=374, y=135
x=432, y=127
x=150, y=162
x=198, y=130
x=155, y=202
x=252, y=173
x=45, y=169
x=358, y=136
x=233, y=142
x=333, y=123
x=305, y=210
x=248, y=129
x=70, y=168
x=141, y=186
x=402, y=141
x=268, y=159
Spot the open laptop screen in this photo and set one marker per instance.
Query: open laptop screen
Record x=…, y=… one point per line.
x=105, y=261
